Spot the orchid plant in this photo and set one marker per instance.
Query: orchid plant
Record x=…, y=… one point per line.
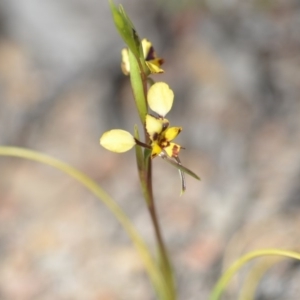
x=139, y=62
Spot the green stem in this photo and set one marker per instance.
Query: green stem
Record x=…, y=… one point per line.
x=163, y=257
x=164, y=261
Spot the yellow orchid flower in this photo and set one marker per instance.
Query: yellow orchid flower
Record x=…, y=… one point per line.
x=119, y=141
x=161, y=136
x=152, y=61
x=160, y=100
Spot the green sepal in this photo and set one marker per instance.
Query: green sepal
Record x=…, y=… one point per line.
x=126, y=29
x=181, y=168
x=137, y=85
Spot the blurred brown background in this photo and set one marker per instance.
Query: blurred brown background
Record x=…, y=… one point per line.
x=235, y=69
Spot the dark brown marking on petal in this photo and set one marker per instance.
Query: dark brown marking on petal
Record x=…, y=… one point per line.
x=165, y=125
x=153, y=155
x=155, y=136
x=161, y=61
x=175, y=151
x=151, y=54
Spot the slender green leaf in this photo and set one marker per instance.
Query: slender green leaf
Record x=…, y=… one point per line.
x=181, y=167
x=255, y=276
x=234, y=268
x=157, y=279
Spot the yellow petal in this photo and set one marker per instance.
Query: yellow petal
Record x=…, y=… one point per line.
x=154, y=126
x=146, y=45
x=171, y=133
x=117, y=140
x=125, y=66
x=160, y=98
x=172, y=150
x=154, y=66
x=156, y=150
